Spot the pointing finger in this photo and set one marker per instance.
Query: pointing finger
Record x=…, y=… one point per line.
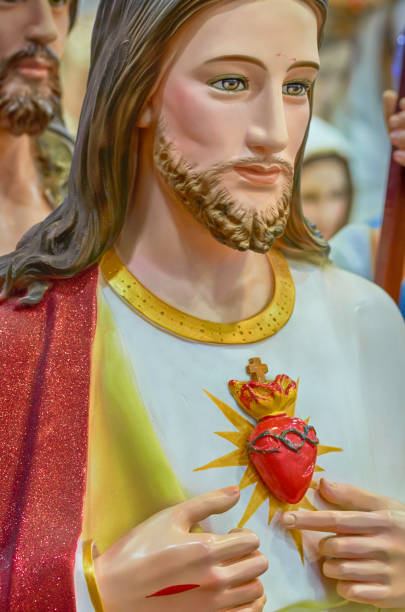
x=199, y=508
x=341, y=522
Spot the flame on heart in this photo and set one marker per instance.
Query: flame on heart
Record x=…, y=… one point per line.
x=260, y=399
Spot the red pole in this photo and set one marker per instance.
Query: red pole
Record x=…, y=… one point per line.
x=391, y=250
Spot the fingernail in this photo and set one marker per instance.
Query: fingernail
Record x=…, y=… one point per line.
x=330, y=483
x=288, y=520
x=231, y=491
x=394, y=135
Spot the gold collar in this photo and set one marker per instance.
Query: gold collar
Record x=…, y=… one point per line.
x=263, y=325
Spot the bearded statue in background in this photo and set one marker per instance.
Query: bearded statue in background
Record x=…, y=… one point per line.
x=35, y=148
x=29, y=107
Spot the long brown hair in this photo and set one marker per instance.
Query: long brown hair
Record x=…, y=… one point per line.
x=129, y=42
x=73, y=12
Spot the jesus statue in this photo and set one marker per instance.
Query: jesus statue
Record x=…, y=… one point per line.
x=181, y=362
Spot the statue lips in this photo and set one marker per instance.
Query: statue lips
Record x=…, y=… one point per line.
x=283, y=450
x=259, y=175
x=34, y=68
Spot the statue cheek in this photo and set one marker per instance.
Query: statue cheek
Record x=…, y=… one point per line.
x=198, y=121
x=297, y=118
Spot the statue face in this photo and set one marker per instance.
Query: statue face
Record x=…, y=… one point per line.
x=232, y=113
x=325, y=194
x=32, y=38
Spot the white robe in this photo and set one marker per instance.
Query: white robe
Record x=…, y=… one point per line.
x=345, y=342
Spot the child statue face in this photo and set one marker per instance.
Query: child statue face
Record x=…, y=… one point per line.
x=326, y=193
x=32, y=37
x=231, y=113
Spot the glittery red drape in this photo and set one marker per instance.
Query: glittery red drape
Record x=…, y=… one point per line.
x=45, y=364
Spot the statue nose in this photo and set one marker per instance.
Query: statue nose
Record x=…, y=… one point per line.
x=41, y=26
x=268, y=130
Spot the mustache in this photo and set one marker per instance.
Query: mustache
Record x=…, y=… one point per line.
x=266, y=160
x=33, y=50
x=216, y=170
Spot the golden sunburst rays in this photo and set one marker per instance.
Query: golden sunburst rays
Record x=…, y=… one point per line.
x=239, y=457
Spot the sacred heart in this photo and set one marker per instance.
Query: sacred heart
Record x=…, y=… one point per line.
x=283, y=450
x=279, y=449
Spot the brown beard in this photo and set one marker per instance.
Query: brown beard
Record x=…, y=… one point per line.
x=212, y=205
x=29, y=112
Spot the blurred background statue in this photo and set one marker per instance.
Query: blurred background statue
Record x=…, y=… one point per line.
x=35, y=147
x=327, y=190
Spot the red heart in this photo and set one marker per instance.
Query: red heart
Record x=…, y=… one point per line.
x=283, y=449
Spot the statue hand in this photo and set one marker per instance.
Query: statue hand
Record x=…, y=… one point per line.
x=367, y=554
x=395, y=124
x=206, y=571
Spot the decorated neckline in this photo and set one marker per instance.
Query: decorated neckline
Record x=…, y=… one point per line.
x=263, y=325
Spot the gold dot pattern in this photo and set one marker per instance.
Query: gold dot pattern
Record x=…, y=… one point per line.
x=263, y=325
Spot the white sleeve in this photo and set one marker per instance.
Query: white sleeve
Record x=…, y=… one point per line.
x=83, y=601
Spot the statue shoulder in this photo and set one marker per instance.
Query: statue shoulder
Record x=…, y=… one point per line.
x=57, y=333
x=345, y=298
x=369, y=308
x=65, y=296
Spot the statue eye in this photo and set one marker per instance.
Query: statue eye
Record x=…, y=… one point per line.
x=230, y=83
x=296, y=89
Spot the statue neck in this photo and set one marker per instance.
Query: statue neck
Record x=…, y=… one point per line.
x=22, y=201
x=178, y=260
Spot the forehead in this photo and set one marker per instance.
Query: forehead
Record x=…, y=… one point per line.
x=324, y=173
x=261, y=29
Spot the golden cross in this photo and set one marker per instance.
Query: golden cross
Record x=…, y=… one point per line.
x=257, y=369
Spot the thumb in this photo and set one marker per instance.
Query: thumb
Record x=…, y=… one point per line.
x=390, y=99
x=353, y=498
x=199, y=508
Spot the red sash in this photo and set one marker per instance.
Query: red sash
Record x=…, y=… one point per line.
x=45, y=366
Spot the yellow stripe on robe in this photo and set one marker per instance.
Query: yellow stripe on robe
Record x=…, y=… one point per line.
x=129, y=477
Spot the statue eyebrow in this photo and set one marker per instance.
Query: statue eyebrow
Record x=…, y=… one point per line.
x=237, y=58
x=254, y=60
x=304, y=64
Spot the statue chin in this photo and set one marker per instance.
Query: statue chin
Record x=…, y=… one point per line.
x=212, y=205
x=29, y=114
x=250, y=243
